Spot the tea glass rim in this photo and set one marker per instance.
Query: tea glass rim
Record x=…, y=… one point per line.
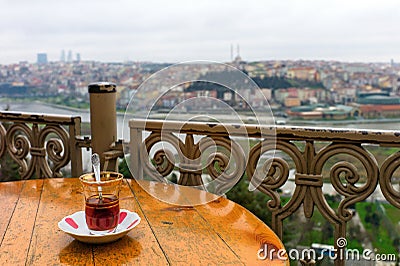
x=94, y=182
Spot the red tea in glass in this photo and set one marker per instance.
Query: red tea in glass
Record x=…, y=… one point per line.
x=102, y=201
x=102, y=214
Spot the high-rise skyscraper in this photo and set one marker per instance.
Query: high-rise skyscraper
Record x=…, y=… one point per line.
x=78, y=57
x=69, y=57
x=42, y=58
x=62, y=57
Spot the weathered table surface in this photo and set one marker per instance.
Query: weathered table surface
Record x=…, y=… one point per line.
x=219, y=232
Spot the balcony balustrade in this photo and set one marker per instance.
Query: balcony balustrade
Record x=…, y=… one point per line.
x=170, y=146
x=41, y=144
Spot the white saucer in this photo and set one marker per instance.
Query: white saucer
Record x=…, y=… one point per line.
x=75, y=226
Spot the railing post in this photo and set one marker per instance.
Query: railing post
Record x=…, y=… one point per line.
x=134, y=148
x=103, y=119
x=76, y=152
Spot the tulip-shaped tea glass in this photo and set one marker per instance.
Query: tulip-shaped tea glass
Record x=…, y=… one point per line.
x=101, y=201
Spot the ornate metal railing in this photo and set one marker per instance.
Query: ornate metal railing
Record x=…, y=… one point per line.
x=41, y=145
x=308, y=150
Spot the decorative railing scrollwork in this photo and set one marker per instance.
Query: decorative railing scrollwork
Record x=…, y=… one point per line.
x=350, y=191
x=163, y=159
x=57, y=149
x=388, y=168
x=3, y=146
x=159, y=162
x=226, y=164
x=18, y=139
x=269, y=179
x=41, y=145
x=269, y=173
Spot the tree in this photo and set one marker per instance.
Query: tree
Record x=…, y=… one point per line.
x=8, y=167
x=124, y=169
x=327, y=232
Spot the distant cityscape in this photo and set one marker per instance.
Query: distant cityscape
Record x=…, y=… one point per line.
x=305, y=90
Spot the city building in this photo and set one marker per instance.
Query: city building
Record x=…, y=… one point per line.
x=62, y=57
x=41, y=58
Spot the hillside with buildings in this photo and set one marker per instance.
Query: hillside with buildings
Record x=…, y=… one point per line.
x=297, y=89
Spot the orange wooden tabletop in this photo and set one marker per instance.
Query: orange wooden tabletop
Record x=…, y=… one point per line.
x=217, y=233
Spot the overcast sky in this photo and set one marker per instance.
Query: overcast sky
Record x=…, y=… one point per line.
x=178, y=30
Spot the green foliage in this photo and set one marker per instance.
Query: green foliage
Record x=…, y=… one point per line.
x=301, y=83
x=393, y=215
x=284, y=83
x=373, y=218
x=255, y=202
x=272, y=82
x=174, y=178
x=326, y=232
x=378, y=233
x=124, y=169
x=8, y=169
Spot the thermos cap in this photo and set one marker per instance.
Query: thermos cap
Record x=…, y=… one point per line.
x=102, y=87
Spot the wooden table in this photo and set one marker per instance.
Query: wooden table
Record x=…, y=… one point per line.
x=219, y=232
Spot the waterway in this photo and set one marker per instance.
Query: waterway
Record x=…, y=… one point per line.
x=123, y=131
x=374, y=124
x=42, y=108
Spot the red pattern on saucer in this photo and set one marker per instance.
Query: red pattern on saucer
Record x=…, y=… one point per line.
x=71, y=222
x=75, y=225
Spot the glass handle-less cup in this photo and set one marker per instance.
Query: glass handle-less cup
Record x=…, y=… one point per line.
x=101, y=201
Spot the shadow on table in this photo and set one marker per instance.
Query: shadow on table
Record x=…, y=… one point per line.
x=124, y=250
